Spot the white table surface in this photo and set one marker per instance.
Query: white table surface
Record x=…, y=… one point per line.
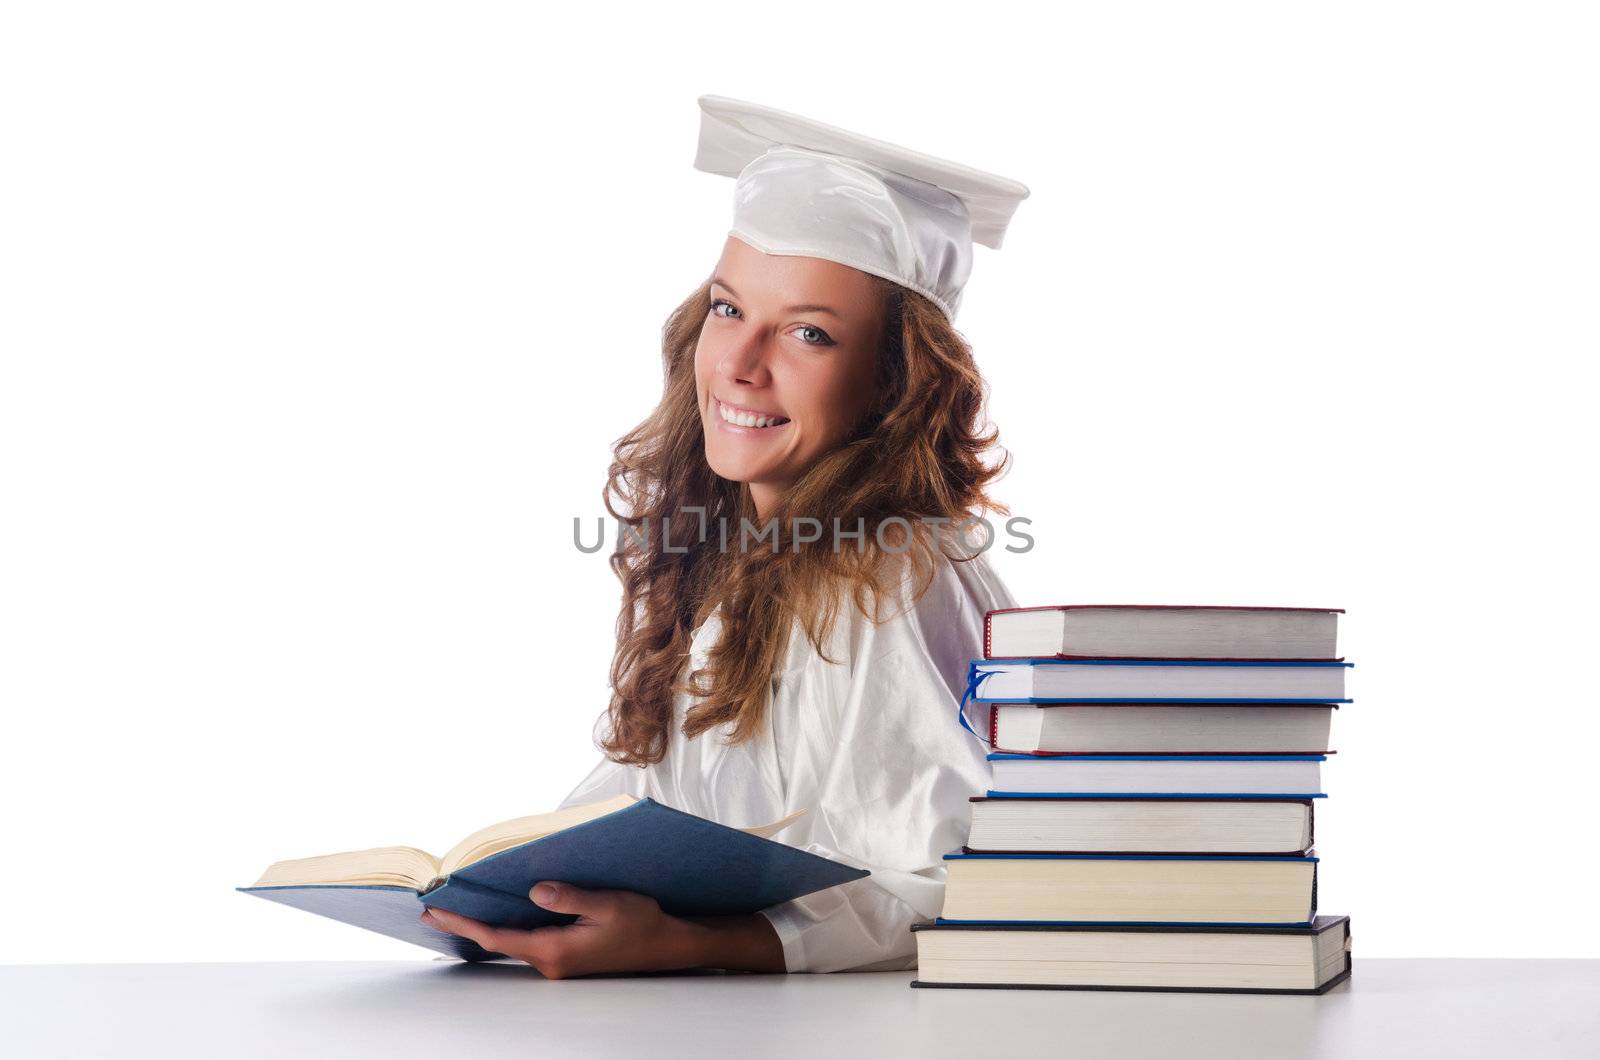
x=1413, y=1008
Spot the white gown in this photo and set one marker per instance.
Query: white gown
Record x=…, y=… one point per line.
x=869, y=746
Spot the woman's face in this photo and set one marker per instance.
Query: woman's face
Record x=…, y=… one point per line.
x=791, y=342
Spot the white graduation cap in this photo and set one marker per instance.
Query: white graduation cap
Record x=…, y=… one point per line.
x=815, y=190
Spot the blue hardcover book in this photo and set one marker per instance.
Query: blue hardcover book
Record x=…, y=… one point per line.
x=692, y=866
x=1125, y=889
x=1155, y=681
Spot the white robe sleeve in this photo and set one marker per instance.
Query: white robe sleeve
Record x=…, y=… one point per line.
x=889, y=769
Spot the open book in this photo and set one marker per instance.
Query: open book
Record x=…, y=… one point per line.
x=410, y=867
x=692, y=866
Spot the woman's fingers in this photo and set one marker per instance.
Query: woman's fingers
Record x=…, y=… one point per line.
x=541, y=947
x=595, y=903
x=486, y=935
x=615, y=931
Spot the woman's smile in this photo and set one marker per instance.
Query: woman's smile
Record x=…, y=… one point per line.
x=738, y=420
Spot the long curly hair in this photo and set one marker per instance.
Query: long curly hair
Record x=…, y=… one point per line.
x=916, y=455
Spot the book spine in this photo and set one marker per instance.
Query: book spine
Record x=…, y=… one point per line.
x=1162, y=607
x=1061, y=656
x=1323, y=989
x=1219, y=855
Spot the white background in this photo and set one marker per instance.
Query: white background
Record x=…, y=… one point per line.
x=319, y=321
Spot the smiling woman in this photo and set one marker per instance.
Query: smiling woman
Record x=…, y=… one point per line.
x=777, y=389
x=815, y=375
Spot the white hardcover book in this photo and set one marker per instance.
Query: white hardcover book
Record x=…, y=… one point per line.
x=1109, y=825
x=1162, y=632
x=1158, y=775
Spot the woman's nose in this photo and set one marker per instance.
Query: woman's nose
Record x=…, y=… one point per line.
x=746, y=360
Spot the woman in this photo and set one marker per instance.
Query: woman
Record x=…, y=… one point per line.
x=824, y=675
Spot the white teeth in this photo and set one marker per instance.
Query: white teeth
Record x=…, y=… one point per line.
x=746, y=419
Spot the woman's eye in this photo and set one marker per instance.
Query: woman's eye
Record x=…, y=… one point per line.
x=810, y=335
x=821, y=338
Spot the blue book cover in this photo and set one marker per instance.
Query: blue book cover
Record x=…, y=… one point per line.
x=1221, y=680
x=1009, y=756
x=692, y=866
x=1102, y=796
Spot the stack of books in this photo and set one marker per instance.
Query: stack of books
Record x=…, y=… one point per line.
x=1150, y=824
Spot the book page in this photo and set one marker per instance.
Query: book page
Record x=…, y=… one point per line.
x=504, y=835
x=382, y=866
x=766, y=831
x=411, y=867
x=507, y=834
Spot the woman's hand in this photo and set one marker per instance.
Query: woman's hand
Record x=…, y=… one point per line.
x=616, y=931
